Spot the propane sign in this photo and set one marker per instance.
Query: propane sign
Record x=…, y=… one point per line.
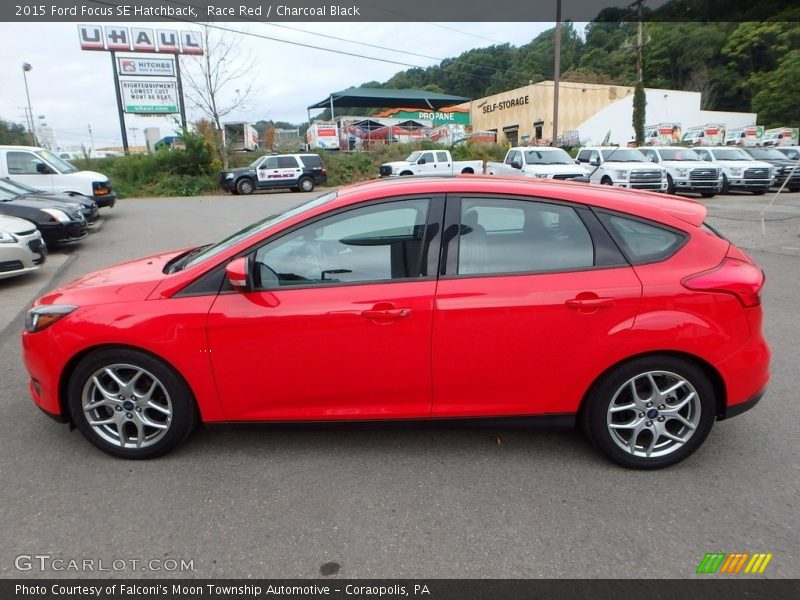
x=149, y=97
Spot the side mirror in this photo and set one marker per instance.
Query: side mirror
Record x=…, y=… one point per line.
x=43, y=168
x=421, y=161
x=595, y=162
x=577, y=162
x=516, y=164
x=238, y=274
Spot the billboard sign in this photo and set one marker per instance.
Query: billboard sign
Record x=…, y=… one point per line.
x=130, y=66
x=166, y=41
x=143, y=97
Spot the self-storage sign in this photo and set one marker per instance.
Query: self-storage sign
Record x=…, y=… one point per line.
x=146, y=97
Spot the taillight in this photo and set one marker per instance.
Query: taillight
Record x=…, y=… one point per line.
x=732, y=276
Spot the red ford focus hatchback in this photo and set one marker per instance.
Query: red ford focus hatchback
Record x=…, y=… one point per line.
x=419, y=299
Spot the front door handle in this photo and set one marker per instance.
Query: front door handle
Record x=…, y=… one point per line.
x=385, y=314
x=589, y=304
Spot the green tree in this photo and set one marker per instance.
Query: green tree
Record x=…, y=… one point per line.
x=13, y=134
x=778, y=90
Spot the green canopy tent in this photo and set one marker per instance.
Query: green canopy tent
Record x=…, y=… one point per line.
x=386, y=98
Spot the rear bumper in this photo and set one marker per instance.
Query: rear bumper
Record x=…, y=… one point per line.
x=737, y=409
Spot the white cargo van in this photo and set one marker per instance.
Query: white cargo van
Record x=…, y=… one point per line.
x=43, y=170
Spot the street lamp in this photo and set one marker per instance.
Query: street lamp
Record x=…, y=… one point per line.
x=25, y=68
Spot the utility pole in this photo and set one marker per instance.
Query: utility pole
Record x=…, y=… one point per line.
x=639, y=41
x=134, y=130
x=556, y=74
x=91, y=137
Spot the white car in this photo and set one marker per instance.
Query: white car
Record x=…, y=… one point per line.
x=739, y=171
x=624, y=167
x=22, y=249
x=686, y=172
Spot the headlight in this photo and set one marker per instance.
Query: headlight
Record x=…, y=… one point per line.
x=736, y=172
x=42, y=317
x=621, y=174
x=57, y=215
x=682, y=172
x=229, y=176
x=7, y=238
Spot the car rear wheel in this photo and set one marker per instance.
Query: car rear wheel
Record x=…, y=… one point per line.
x=245, y=186
x=670, y=185
x=130, y=404
x=650, y=413
x=306, y=184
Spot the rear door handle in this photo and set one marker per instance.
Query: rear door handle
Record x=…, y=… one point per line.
x=583, y=304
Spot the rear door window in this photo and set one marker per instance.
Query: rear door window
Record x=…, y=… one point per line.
x=311, y=161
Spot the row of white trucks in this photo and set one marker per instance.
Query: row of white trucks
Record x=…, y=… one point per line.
x=669, y=169
x=716, y=134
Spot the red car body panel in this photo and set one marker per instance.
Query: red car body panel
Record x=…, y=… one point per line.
x=468, y=346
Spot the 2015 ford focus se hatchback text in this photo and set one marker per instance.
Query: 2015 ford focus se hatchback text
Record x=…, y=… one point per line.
x=419, y=299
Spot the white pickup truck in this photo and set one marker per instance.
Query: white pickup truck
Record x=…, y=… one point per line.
x=43, y=170
x=430, y=162
x=542, y=162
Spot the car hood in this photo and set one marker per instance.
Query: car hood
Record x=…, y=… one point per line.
x=746, y=164
x=645, y=165
x=238, y=171
x=556, y=169
x=126, y=282
x=396, y=163
x=689, y=164
x=15, y=224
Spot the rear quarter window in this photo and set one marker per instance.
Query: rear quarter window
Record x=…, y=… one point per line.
x=311, y=162
x=643, y=241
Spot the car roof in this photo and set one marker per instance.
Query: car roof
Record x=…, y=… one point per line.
x=649, y=205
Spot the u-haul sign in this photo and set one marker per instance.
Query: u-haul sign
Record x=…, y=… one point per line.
x=166, y=41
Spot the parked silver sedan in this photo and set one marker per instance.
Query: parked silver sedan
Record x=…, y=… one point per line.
x=22, y=249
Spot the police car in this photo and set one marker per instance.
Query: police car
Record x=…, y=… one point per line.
x=299, y=172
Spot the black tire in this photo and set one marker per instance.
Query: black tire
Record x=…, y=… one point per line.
x=615, y=387
x=140, y=412
x=306, y=184
x=759, y=192
x=670, y=184
x=405, y=173
x=725, y=185
x=468, y=171
x=606, y=180
x=708, y=194
x=245, y=186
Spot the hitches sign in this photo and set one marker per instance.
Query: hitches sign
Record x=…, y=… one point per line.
x=134, y=66
x=149, y=97
x=167, y=41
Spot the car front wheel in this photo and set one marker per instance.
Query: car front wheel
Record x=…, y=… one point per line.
x=245, y=186
x=130, y=404
x=651, y=412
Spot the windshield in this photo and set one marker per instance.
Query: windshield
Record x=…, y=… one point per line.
x=623, y=155
x=556, y=156
x=232, y=240
x=6, y=195
x=678, y=154
x=730, y=154
x=413, y=156
x=62, y=165
x=766, y=153
x=254, y=164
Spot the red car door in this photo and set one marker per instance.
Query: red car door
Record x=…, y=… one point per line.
x=527, y=308
x=339, y=326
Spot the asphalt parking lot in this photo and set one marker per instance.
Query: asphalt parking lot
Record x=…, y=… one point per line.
x=393, y=501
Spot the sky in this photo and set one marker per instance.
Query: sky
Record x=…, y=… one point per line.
x=73, y=89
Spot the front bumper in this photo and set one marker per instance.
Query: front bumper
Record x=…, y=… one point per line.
x=653, y=187
x=751, y=185
x=63, y=233
x=22, y=257
x=699, y=186
x=105, y=200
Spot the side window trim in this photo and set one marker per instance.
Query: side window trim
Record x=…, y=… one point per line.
x=448, y=266
x=429, y=255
